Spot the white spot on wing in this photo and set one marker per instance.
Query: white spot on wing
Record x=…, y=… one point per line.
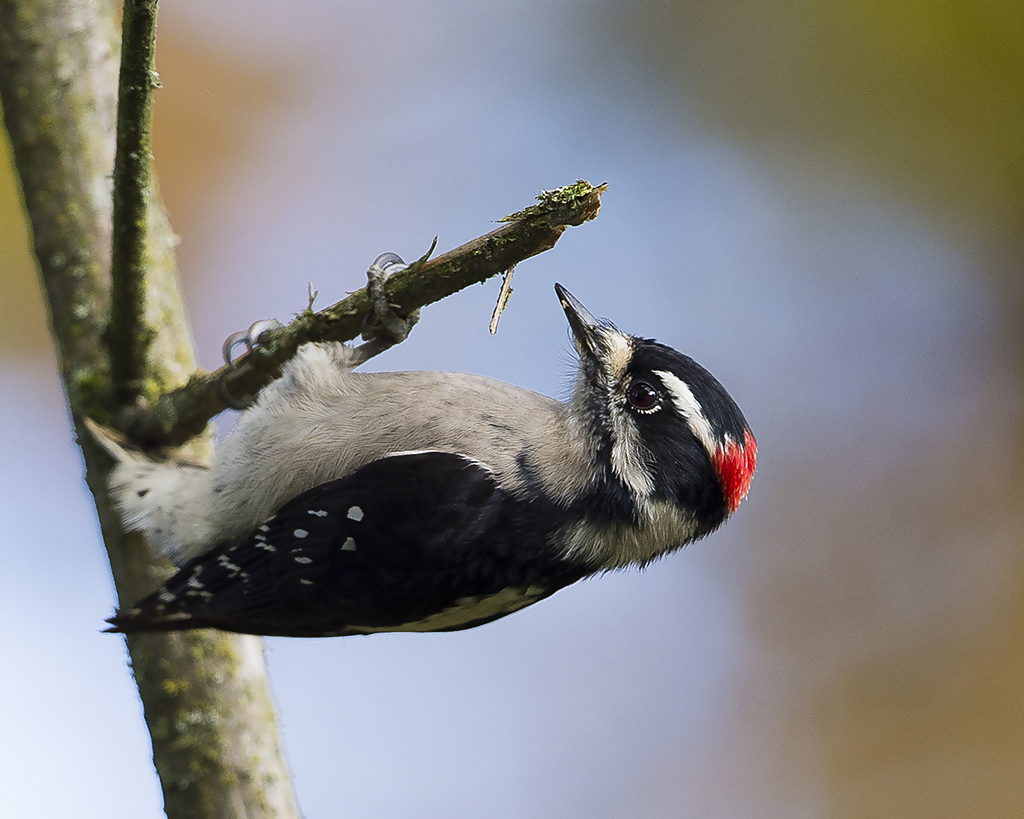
x=355, y=513
x=305, y=582
x=303, y=560
x=225, y=562
x=349, y=545
x=300, y=533
x=320, y=513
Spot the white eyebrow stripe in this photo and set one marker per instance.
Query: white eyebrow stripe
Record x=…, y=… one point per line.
x=691, y=410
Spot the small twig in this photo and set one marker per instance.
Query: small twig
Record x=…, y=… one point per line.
x=127, y=335
x=180, y=414
x=503, y=296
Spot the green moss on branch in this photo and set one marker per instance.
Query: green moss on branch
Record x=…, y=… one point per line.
x=128, y=336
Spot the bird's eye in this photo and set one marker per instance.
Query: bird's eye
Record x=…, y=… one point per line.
x=643, y=396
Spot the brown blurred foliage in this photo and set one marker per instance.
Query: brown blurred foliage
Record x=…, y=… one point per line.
x=208, y=106
x=924, y=95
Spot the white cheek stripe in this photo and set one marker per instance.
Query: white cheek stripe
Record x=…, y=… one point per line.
x=628, y=457
x=627, y=454
x=691, y=410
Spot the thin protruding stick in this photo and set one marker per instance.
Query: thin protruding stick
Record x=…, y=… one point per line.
x=128, y=336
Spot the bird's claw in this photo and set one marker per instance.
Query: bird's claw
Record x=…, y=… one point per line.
x=384, y=328
x=385, y=321
x=251, y=338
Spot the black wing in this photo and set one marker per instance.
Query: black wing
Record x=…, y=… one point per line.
x=416, y=542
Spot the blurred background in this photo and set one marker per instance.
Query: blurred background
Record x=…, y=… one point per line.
x=821, y=202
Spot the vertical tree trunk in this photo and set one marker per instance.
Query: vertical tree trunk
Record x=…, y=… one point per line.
x=205, y=695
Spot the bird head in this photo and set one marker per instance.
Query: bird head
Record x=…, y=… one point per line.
x=665, y=430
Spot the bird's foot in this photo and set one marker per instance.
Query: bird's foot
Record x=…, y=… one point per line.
x=251, y=338
x=385, y=328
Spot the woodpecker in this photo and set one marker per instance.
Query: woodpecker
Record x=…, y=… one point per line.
x=348, y=503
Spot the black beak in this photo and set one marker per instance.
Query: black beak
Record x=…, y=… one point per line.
x=583, y=324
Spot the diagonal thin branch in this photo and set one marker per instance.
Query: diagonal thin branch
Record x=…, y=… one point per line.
x=127, y=335
x=183, y=413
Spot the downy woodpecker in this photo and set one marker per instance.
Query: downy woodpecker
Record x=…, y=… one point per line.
x=353, y=503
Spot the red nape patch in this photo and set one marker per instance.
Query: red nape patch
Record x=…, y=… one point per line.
x=736, y=465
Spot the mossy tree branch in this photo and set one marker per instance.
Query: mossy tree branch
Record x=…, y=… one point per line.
x=127, y=336
x=179, y=415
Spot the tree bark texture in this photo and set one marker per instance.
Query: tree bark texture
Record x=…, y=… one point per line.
x=205, y=695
